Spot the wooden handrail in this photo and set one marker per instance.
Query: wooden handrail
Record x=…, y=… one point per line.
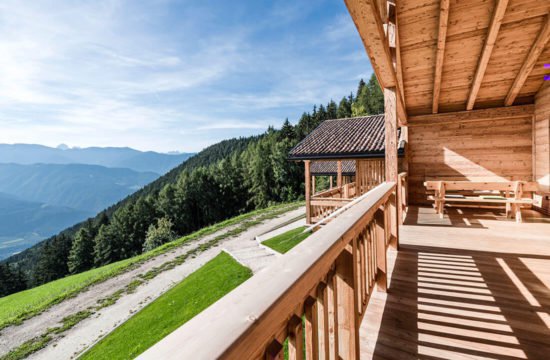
x=327, y=279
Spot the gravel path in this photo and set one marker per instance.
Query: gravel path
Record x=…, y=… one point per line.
x=72, y=342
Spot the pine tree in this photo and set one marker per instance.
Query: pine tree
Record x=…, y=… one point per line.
x=360, y=106
x=332, y=110
x=375, y=100
x=287, y=130
x=81, y=256
x=107, y=245
x=344, y=108
x=52, y=261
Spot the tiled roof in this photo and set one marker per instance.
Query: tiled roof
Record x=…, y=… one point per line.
x=331, y=168
x=344, y=138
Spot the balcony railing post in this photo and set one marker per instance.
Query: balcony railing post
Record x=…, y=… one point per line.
x=312, y=328
x=332, y=318
x=345, y=305
x=295, y=339
x=380, y=246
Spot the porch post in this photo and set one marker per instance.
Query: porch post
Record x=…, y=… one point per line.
x=330, y=180
x=339, y=177
x=391, y=160
x=313, y=184
x=308, y=191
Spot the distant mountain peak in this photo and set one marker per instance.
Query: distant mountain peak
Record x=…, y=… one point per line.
x=63, y=147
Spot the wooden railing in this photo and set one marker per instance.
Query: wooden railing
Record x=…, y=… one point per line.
x=403, y=191
x=314, y=296
x=327, y=202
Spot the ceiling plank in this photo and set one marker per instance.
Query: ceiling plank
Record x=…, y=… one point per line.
x=441, y=38
x=494, y=27
x=366, y=16
x=529, y=62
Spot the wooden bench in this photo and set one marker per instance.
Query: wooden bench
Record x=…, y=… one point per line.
x=510, y=194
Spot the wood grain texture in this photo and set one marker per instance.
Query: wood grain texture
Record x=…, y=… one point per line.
x=472, y=60
x=441, y=38
x=492, y=33
x=370, y=26
x=541, y=145
x=466, y=148
x=469, y=286
x=529, y=63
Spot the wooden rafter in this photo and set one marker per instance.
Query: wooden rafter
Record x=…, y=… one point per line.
x=492, y=34
x=367, y=19
x=441, y=38
x=529, y=62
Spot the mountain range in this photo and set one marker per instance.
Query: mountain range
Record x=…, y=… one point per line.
x=44, y=190
x=113, y=157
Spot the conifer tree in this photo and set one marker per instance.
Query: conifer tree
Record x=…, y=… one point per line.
x=344, y=108
x=332, y=110
x=81, y=256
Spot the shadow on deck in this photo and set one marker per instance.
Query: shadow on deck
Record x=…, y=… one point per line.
x=471, y=285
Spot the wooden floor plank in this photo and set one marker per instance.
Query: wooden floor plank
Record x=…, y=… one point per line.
x=473, y=285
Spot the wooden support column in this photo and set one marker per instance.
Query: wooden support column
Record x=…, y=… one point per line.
x=313, y=185
x=339, y=174
x=330, y=180
x=391, y=160
x=307, y=164
x=346, y=307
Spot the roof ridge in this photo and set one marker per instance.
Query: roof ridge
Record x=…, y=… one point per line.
x=354, y=117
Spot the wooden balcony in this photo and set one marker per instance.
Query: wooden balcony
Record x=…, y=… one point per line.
x=471, y=285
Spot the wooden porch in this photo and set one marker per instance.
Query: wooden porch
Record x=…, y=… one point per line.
x=471, y=285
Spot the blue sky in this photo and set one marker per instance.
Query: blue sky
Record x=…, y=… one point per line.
x=169, y=75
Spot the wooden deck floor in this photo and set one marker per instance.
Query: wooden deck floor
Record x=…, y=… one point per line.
x=473, y=285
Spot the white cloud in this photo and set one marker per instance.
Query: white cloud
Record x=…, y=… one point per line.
x=128, y=73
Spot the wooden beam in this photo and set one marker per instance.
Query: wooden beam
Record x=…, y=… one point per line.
x=366, y=16
x=339, y=174
x=441, y=38
x=529, y=62
x=307, y=165
x=474, y=115
x=390, y=120
x=492, y=33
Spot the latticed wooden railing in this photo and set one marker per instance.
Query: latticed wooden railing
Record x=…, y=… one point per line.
x=326, y=202
x=314, y=296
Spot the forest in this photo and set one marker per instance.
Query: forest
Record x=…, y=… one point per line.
x=226, y=179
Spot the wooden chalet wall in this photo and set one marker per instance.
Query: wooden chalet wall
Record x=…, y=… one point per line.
x=542, y=146
x=480, y=145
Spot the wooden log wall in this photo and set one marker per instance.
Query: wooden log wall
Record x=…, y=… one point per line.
x=541, y=149
x=479, y=146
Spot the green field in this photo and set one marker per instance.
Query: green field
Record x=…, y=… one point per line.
x=286, y=241
x=174, y=308
x=25, y=304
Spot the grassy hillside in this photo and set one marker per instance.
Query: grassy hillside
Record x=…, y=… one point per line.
x=229, y=178
x=28, y=259
x=171, y=310
x=25, y=304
